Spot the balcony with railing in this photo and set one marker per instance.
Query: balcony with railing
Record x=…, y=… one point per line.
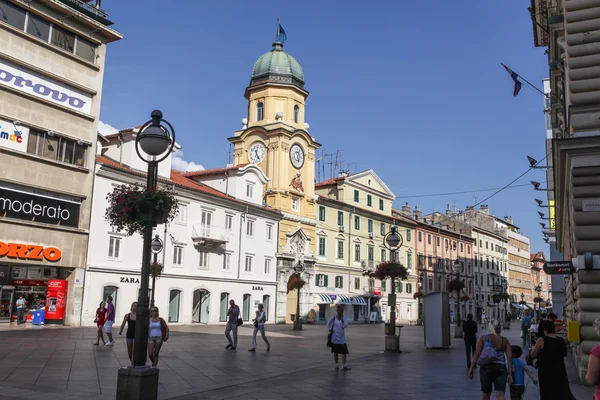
x=91, y=8
x=210, y=235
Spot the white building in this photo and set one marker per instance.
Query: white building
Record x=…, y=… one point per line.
x=219, y=248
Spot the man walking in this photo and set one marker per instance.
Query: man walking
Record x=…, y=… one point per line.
x=110, y=320
x=525, y=326
x=470, y=336
x=232, y=318
x=20, y=309
x=483, y=320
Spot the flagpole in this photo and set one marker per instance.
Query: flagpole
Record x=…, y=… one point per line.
x=527, y=82
x=277, y=34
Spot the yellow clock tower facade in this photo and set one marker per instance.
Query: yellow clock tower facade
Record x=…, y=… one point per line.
x=275, y=137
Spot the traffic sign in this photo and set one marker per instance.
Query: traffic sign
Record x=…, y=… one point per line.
x=559, y=267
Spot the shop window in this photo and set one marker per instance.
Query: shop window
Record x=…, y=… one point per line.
x=114, y=247
x=266, y=305
x=223, y=307
x=246, y=307
x=51, y=146
x=38, y=28
x=12, y=14
x=174, y=301
x=111, y=291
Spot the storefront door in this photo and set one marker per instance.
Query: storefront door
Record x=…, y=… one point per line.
x=6, y=301
x=201, y=306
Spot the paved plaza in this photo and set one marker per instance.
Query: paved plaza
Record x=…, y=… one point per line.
x=61, y=363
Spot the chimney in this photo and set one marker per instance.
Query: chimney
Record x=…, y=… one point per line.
x=343, y=173
x=417, y=213
x=448, y=210
x=406, y=208
x=508, y=219
x=484, y=209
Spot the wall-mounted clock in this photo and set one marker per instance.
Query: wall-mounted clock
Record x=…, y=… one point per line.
x=257, y=153
x=297, y=155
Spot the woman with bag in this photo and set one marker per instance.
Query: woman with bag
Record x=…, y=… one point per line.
x=336, y=327
x=494, y=355
x=159, y=333
x=593, y=370
x=99, y=320
x=259, y=325
x=550, y=352
x=129, y=319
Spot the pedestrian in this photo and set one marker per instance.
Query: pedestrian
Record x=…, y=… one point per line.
x=337, y=326
x=495, y=362
x=110, y=320
x=100, y=320
x=232, y=325
x=552, y=372
x=129, y=319
x=21, y=304
x=483, y=320
x=259, y=325
x=452, y=316
x=593, y=370
x=517, y=388
x=525, y=326
x=470, y=336
x=158, y=334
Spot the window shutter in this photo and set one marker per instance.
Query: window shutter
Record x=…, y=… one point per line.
x=325, y=283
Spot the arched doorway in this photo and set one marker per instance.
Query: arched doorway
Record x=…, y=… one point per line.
x=201, y=305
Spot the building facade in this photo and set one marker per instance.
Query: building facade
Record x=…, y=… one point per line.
x=52, y=57
x=220, y=247
x=354, y=213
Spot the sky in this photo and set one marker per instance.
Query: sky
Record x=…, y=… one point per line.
x=413, y=90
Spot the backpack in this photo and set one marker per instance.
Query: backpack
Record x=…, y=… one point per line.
x=489, y=354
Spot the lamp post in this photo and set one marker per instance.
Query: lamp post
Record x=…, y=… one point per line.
x=299, y=268
x=457, y=268
x=522, y=302
x=392, y=241
x=538, y=289
x=141, y=382
x=157, y=247
x=420, y=285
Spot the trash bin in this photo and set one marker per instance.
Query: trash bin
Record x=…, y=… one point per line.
x=293, y=317
x=388, y=329
x=37, y=317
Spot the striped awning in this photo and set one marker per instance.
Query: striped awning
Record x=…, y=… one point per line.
x=343, y=299
x=324, y=299
x=359, y=301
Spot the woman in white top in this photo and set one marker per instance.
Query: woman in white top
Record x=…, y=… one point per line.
x=158, y=333
x=337, y=326
x=259, y=325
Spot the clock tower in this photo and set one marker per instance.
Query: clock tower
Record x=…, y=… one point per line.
x=275, y=137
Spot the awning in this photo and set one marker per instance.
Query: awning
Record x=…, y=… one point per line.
x=343, y=299
x=324, y=299
x=359, y=301
x=515, y=305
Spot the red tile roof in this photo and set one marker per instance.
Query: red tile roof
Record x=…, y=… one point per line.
x=215, y=171
x=179, y=179
x=331, y=181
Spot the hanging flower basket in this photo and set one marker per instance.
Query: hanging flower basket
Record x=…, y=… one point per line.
x=132, y=207
x=455, y=285
x=464, y=298
x=417, y=295
x=522, y=302
x=156, y=269
x=390, y=269
x=295, y=282
x=537, y=299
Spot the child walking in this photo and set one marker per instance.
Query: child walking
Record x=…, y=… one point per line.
x=517, y=388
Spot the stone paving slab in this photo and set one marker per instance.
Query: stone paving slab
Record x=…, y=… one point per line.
x=55, y=362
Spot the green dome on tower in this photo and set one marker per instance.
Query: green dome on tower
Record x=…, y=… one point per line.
x=277, y=66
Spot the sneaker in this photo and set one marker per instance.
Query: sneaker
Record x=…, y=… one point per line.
x=229, y=346
x=110, y=344
x=252, y=350
x=233, y=347
x=346, y=368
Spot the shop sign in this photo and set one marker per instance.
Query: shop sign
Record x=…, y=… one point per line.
x=14, y=137
x=29, y=252
x=125, y=279
x=29, y=283
x=590, y=205
x=257, y=288
x=23, y=80
x=559, y=267
x=39, y=208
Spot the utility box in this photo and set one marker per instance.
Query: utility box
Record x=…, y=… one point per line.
x=573, y=332
x=436, y=320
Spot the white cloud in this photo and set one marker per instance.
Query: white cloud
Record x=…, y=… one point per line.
x=178, y=163
x=106, y=129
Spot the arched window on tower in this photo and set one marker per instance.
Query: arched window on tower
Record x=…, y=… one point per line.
x=296, y=113
x=260, y=111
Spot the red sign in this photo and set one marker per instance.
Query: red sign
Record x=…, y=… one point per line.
x=29, y=252
x=376, y=292
x=29, y=283
x=56, y=301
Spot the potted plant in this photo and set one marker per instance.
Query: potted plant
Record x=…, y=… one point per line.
x=132, y=207
x=417, y=295
x=156, y=270
x=464, y=298
x=390, y=269
x=537, y=299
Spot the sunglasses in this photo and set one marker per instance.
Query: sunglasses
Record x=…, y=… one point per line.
x=154, y=310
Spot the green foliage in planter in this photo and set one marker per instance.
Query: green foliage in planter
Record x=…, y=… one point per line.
x=390, y=269
x=464, y=298
x=537, y=299
x=455, y=285
x=417, y=295
x=131, y=207
x=156, y=269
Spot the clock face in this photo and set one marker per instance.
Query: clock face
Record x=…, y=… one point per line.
x=297, y=155
x=257, y=153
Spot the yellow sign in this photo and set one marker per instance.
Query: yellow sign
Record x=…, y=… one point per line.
x=552, y=214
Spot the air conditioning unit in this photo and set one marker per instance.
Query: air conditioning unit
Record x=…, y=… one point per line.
x=342, y=228
x=371, y=235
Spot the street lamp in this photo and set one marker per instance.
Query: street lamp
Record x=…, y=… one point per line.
x=156, y=141
x=505, y=293
x=457, y=268
x=538, y=289
x=299, y=268
x=157, y=247
x=393, y=241
x=420, y=285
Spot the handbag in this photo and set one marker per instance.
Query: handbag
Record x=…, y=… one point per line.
x=329, y=336
x=164, y=330
x=255, y=323
x=240, y=322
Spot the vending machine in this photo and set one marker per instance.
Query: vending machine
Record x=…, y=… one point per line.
x=56, y=302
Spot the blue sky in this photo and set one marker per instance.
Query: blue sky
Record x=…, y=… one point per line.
x=413, y=90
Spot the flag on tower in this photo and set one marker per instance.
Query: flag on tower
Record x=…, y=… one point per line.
x=515, y=78
x=282, y=36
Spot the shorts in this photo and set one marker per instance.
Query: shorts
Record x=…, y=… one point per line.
x=339, y=348
x=494, y=375
x=108, y=326
x=155, y=339
x=129, y=340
